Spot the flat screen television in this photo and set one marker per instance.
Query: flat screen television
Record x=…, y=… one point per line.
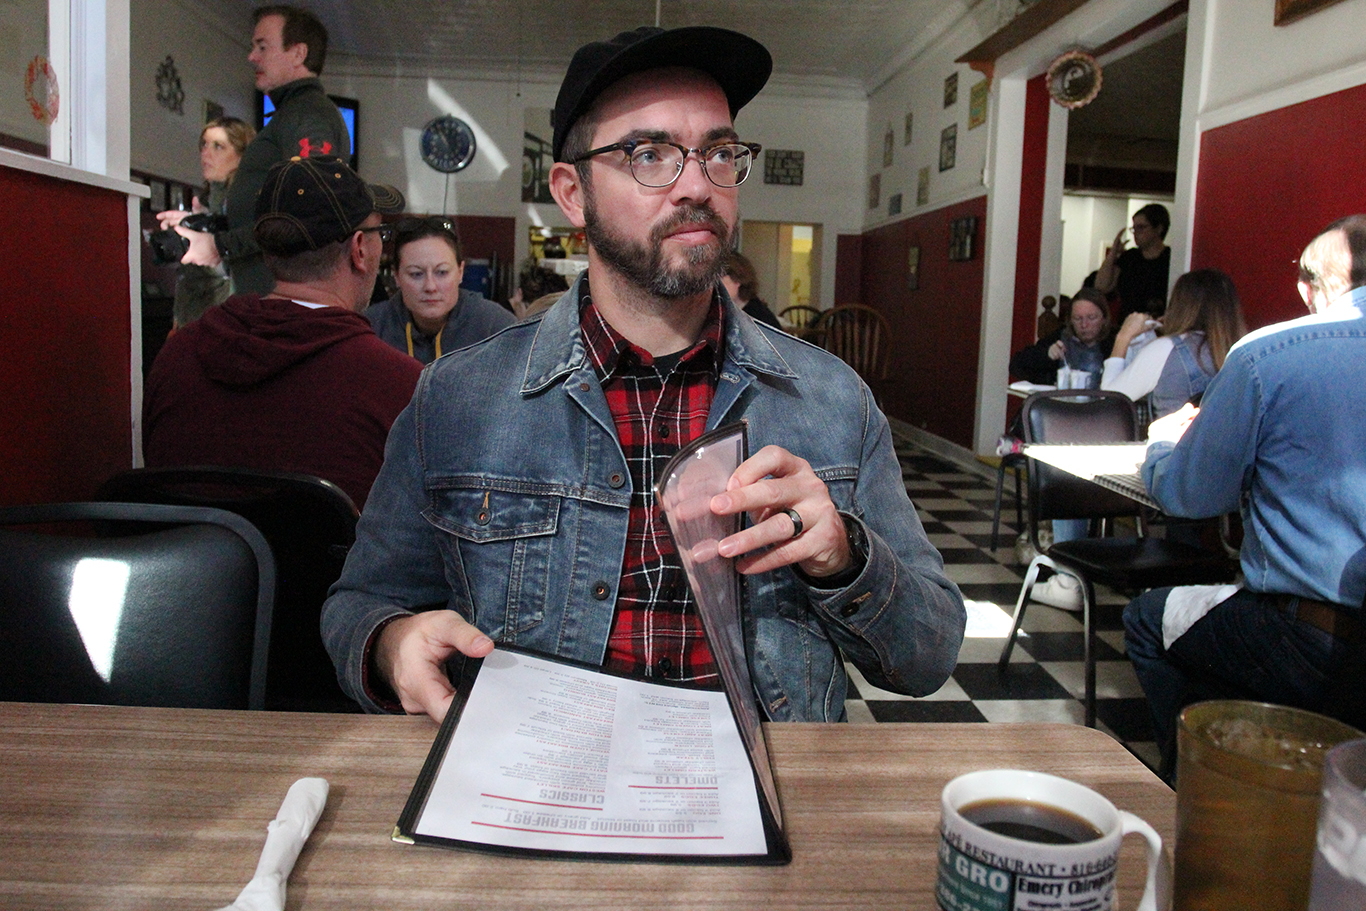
x=350, y=111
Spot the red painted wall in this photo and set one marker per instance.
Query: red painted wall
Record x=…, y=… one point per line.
x=65, y=420
x=848, y=268
x=1030, y=235
x=936, y=328
x=1267, y=185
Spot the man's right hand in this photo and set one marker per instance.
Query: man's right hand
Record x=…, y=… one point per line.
x=411, y=655
x=203, y=249
x=1171, y=428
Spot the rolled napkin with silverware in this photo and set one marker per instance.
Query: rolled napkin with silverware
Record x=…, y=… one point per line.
x=285, y=837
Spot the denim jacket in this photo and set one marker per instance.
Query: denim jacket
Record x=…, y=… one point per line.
x=1282, y=434
x=504, y=497
x=1186, y=373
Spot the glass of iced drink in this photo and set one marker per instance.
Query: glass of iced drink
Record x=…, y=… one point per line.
x=1247, y=804
x=1339, y=880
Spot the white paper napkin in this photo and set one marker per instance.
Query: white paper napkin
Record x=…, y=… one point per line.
x=285, y=837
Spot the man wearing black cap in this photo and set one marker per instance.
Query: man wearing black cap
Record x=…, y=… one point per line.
x=527, y=512
x=296, y=380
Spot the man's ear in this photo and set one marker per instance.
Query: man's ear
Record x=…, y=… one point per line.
x=568, y=192
x=298, y=53
x=359, y=256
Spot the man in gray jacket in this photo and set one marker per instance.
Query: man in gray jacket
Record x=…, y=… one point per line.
x=288, y=48
x=516, y=500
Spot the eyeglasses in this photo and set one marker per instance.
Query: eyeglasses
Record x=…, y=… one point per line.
x=656, y=163
x=385, y=232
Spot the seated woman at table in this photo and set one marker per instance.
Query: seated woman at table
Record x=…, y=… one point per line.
x=431, y=314
x=1202, y=321
x=1081, y=343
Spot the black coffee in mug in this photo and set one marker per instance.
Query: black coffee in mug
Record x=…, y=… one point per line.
x=1030, y=821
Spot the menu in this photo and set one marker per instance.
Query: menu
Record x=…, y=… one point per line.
x=540, y=755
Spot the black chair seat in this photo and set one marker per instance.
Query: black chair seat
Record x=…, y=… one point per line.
x=1126, y=564
x=1133, y=564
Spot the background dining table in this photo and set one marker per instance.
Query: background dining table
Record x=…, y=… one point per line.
x=122, y=807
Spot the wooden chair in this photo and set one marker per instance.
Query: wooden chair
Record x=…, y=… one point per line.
x=134, y=604
x=859, y=336
x=799, y=320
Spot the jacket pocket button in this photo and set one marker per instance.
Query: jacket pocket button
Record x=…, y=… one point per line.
x=616, y=479
x=601, y=590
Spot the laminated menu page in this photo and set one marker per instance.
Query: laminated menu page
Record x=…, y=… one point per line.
x=543, y=756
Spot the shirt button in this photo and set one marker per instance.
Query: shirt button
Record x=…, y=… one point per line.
x=601, y=590
x=616, y=479
x=665, y=665
x=664, y=431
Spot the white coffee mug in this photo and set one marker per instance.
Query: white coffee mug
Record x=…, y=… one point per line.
x=981, y=869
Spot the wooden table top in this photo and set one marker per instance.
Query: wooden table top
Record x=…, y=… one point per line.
x=115, y=807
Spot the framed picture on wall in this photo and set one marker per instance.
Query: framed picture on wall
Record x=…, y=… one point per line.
x=913, y=268
x=962, y=233
x=951, y=90
x=977, y=104
x=874, y=191
x=948, y=147
x=894, y=204
x=1288, y=11
x=888, y=140
x=906, y=130
x=922, y=187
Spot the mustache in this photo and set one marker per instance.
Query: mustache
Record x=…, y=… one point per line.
x=702, y=214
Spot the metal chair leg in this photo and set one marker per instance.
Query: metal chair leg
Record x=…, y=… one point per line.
x=1031, y=576
x=996, y=516
x=1088, y=600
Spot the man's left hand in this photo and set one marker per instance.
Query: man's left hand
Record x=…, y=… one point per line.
x=766, y=485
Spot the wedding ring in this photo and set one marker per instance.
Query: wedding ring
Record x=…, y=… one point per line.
x=796, y=521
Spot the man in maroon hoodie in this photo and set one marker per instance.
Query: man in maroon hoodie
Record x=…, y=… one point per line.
x=295, y=380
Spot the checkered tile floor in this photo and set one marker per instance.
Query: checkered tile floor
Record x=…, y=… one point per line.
x=1044, y=680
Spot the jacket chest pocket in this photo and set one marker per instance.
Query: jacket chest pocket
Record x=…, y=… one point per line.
x=503, y=542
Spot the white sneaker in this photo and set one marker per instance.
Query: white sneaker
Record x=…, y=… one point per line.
x=1059, y=590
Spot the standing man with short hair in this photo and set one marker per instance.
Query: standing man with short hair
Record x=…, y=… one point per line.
x=1281, y=435
x=288, y=49
x=525, y=513
x=1139, y=275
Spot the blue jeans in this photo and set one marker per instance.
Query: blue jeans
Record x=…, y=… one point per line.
x=1247, y=647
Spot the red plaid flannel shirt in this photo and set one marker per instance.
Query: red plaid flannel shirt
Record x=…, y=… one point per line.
x=659, y=405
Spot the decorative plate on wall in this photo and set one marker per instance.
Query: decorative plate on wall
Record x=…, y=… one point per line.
x=448, y=144
x=1074, y=79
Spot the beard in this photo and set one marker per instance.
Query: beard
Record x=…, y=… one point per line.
x=643, y=266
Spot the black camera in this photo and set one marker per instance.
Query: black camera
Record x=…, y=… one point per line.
x=168, y=246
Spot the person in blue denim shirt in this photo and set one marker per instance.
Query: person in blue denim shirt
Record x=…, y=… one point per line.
x=1281, y=434
x=503, y=508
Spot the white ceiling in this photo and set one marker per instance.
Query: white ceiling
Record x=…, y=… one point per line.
x=856, y=44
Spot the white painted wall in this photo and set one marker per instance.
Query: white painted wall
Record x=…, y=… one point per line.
x=395, y=106
x=919, y=90
x=210, y=54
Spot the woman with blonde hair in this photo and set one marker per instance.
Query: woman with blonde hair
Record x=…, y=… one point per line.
x=1203, y=320
x=221, y=144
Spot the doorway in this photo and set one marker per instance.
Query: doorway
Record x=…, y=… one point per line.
x=787, y=258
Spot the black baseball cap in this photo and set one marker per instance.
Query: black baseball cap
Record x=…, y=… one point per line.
x=322, y=199
x=738, y=63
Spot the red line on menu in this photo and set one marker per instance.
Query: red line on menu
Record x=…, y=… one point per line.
x=604, y=834
x=670, y=787
x=541, y=803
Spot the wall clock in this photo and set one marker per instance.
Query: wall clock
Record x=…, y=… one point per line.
x=448, y=144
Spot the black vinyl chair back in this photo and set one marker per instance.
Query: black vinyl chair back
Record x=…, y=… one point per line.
x=1075, y=416
x=134, y=604
x=310, y=524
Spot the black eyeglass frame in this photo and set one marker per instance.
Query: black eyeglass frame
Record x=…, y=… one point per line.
x=385, y=232
x=629, y=146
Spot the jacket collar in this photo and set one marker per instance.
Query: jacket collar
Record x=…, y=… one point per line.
x=558, y=349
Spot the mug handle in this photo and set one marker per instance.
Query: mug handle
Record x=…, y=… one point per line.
x=1157, y=892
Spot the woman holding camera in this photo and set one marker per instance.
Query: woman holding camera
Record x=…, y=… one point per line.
x=221, y=145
